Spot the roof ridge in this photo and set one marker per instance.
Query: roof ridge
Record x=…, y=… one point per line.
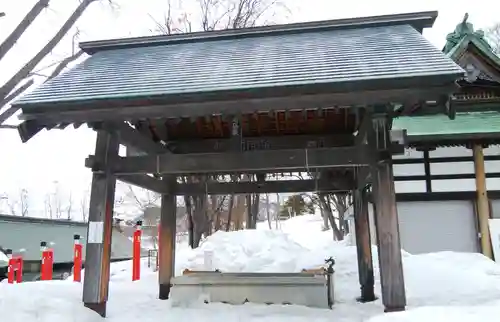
x=418, y=20
x=464, y=31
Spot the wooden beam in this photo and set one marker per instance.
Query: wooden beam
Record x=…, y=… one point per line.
x=144, y=181
x=130, y=137
x=386, y=221
x=243, y=162
x=271, y=186
x=274, y=99
x=29, y=129
x=166, y=248
x=483, y=207
x=427, y=171
x=363, y=245
x=236, y=143
x=364, y=127
x=98, y=248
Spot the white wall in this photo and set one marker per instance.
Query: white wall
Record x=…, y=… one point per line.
x=445, y=168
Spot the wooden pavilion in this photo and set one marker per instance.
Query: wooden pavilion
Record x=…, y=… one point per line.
x=317, y=97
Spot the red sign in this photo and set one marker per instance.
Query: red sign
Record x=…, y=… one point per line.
x=77, y=262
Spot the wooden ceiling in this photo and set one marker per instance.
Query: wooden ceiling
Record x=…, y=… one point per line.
x=312, y=122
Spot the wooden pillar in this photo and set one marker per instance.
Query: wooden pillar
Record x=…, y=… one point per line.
x=98, y=249
x=386, y=220
x=483, y=207
x=166, y=255
x=427, y=169
x=363, y=245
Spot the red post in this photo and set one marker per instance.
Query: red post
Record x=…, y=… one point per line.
x=136, y=253
x=46, y=268
x=19, y=276
x=77, y=259
x=15, y=268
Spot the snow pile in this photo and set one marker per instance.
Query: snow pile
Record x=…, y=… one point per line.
x=483, y=313
x=249, y=251
x=440, y=287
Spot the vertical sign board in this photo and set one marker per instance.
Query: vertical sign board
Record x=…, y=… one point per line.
x=495, y=237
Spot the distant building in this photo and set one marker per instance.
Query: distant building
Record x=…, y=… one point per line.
x=24, y=234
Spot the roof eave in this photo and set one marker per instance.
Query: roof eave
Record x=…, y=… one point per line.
x=418, y=20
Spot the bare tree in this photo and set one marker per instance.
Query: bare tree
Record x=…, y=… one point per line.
x=49, y=213
x=24, y=202
x=57, y=204
x=135, y=199
x=268, y=212
x=18, y=206
x=16, y=81
x=69, y=207
x=84, y=206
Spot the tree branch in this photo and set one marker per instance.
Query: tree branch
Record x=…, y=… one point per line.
x=9, y=42
x=64, y=63
x=24, y=72
x=12, y=110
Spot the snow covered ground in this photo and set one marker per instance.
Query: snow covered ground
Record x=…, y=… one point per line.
x=440, y=287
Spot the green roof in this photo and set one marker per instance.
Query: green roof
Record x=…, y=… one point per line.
x=466, y=125
x=437, y=127
x=174, y=68
x=463, y=35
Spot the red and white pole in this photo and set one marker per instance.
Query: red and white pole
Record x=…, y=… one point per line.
x=47, y=262
x=136, y=252
x=77, y=259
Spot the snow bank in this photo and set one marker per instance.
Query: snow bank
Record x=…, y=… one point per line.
x=453, y=284
x=483, y=313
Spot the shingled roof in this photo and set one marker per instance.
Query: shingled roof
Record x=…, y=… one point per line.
x=339, y=55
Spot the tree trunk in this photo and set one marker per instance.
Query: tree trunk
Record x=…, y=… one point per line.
x=189, y=212
x=249, y=219
x=268, y=212
x=239, y=212
x=337, y=235
x=26, y=69
x=326, y=225
x=255, y=210
x=230, y=212
x=216, y=212
x=199, y=220
x=277, y=219
x=11, y=40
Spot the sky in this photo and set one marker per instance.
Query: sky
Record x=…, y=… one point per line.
x=58, y=155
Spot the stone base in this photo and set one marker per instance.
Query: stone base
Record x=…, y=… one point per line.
x=99, y=308
x=164, y=291
x=367, y=295
x=393, y=309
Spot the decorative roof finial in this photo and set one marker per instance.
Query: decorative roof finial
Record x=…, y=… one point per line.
x=466, y=16
x=462, y=30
